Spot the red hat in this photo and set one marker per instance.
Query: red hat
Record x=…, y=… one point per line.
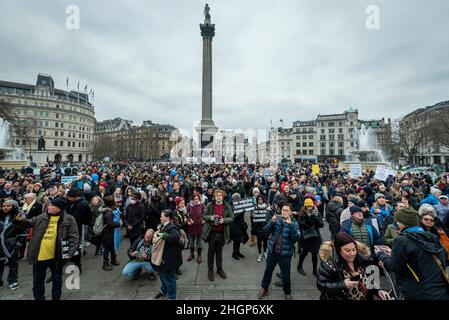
x=178, y=200
x=104, y=184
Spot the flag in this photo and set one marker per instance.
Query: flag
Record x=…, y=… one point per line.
x=85, y=88
x=90, y=92
x=67, y=82
x=78, y=86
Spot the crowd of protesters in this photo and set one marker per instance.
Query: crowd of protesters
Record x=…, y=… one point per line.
x=399, y=225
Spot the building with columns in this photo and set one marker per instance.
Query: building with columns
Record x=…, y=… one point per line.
x=65, y=119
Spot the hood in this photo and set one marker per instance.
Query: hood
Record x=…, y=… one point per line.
x=333, y=205
x=427, y=241
x=327, y=250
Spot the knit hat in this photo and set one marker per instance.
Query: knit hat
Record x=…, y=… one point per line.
x=426, y=209
x=308, y=203
x=256, y=190
x=362, y=204
x=379, y=195
x=12, y=202
x=178, y=200
x=435, y=191
x=408, y=217
x=59, y=202
x=103, y=184
x=355, y=209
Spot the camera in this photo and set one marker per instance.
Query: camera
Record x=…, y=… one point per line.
x=356, y=278
x=216, y=220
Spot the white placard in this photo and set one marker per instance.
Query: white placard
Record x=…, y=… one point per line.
x=356, y=170
x=382, y=173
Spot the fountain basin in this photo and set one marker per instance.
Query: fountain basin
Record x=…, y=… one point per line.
x=7, y=161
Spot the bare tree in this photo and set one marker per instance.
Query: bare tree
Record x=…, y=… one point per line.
x=408, y=136
x=105, y=146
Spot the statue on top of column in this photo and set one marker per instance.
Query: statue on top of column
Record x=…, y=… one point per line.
x=41, y=144
x=207, y=14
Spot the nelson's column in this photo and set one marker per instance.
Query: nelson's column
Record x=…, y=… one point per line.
x=207, y=128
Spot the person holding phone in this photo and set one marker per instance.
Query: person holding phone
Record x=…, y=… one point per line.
x=341, y=275
x=284, y=233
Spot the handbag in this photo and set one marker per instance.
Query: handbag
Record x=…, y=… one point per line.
x=309, y=234
x=157, y=252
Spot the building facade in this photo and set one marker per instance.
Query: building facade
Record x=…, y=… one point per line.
x=105, y=136
x=305, y=144
x=422, y=126
x=65, y=120
x=150, y=141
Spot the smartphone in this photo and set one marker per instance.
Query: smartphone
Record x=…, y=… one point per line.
x=356, y=278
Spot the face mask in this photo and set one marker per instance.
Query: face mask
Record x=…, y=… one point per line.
x=184, y=210
x=133, y=201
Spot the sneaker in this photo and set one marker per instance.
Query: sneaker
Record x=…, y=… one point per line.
x=259, y=258
x=265, y=255
x=301, y=270
x=14, y=286
x=288, y=297
x=151, y=276
x=159, y=296
x=179, y=272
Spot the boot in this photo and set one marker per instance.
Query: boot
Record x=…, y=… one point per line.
x=235, y=256
x=199, y=256
x=252, y=242
x=210, y=274
x=301, y=270
x=262, y=293
x=221, y=273
x=114, y=261
x=192, y=255
x=106, y=265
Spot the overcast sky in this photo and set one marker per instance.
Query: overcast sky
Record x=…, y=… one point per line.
x=272, y=59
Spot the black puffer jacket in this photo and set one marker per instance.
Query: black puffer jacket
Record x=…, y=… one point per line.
x=333, y=213
x=330, y=281
x=412, y=259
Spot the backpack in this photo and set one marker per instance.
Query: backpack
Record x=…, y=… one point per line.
x=183, y=242
x=99, y=225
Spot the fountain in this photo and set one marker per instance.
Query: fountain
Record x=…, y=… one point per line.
x=10, y=158
x=368, y=154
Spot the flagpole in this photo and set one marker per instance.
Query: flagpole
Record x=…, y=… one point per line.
x=78, y=92
x=67, y=86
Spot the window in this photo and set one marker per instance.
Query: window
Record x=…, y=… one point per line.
x=331, y=152
x=304, y=151
x=61, y=143
x=331, y=130
x=340, y=123
x=340, y=152
x=331, y=144
x=57, y=116
x=298, y=144
x=341, y=137
x=46, y=123
x=17, y=142
x=62, y=125
x=298, y=137
x=304, y=137
x=304, y=144
x=352, y=123
x=56, y=133
x=331, y=124
x=310, y=152
x=323, y=144
x=79, y=144
x=56, y=143
x=322, y=131
x=340, y=144
x=310, y=129
x=304, y=129
x=57, y=106
x=68, y=143
x=62, y=133
x=310, y=137
x=323, y=152
x=298, y=152
x=331, y=137
x=340, y=130
x=310, y=144
x=56, y=125
x=352, y=144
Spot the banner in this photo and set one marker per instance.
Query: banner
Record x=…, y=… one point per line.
x=69, y=179
x=315, y=169
x=243, y=205
x=356, y=170
x=382, y=173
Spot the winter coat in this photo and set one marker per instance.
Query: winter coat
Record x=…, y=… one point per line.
x=238, y=228
x=135, y=215
x=260, y=219
x=374, y=236
x=35, y=210
x=228, y=217
x=333, y=214
x=67, y=232
x=412, y=259
x=390, y=235
x=290, y=234
x=195, y=213
x=107, y=235
x=441, y=211
x=330, y=280
x=80, y=210
x=171, y=257
x=153, y=214
x=11, y=237
x=430, y=199
x=384, y=215
x=306, y=224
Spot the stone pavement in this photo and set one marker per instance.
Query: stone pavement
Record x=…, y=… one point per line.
x=243, y=282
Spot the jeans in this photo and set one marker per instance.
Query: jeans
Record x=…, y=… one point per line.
x=133, y=267
x=284, y=263
x=106, y=251
x=216, y=244
x=168, y=287
x=13, y=268
x=39, y=273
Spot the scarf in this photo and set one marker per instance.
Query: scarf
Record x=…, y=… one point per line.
x=26, y=207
